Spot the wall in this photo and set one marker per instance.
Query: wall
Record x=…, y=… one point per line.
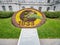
x=15, y=7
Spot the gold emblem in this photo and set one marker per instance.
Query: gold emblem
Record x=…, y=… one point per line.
x=28, y=18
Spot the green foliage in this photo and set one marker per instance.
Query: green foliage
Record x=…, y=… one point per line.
x=4, y=14
x=52, y=14
x=51, y=29
x=7, y=30
x=35, y=16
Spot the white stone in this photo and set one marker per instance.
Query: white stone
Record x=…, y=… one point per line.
x=29, y=36
x=18, y=4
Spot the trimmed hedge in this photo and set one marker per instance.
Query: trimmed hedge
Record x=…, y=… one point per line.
x=52, y=14
x=4, y=14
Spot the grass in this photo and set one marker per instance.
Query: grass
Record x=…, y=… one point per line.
x=51, y=29
x=7, y=30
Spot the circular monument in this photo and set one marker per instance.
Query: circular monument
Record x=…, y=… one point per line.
x=28, y=18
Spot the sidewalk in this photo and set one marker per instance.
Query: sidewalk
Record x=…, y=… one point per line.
x=42, y=41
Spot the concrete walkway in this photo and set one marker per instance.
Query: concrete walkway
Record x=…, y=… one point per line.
x=42, y=41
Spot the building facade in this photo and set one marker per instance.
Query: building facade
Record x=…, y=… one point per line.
x=42, y=5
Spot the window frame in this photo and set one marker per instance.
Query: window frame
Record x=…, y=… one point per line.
x=10, y=8
x=4, y=8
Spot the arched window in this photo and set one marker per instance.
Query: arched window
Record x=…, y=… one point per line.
x=3, y=7
x=54, y=8
x=31, y=7
x=0, y=1
x=10, y=8
x=40, y=8
x=23, y=7
x=10, y=0
x=48, y=8
x=48, y=1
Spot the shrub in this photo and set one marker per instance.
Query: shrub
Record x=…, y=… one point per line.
x=4, y=14
x=52, y=14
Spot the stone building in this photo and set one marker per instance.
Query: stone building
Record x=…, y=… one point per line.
x=42, y=5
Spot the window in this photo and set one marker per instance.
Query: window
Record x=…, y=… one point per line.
x=53, y=0
x=23, y=7
x=3, y=7
x=40, y=8
x=54, y=8
x=31, y=7
x=48, y=1
x=10, y=8
x=48, y=8
x=0, y=1
x=10, y=0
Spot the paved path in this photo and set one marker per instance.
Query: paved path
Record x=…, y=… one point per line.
x=29, y=36
x=42, y=41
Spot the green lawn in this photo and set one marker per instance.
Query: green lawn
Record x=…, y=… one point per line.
x=51, y=29
x=7, y=30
